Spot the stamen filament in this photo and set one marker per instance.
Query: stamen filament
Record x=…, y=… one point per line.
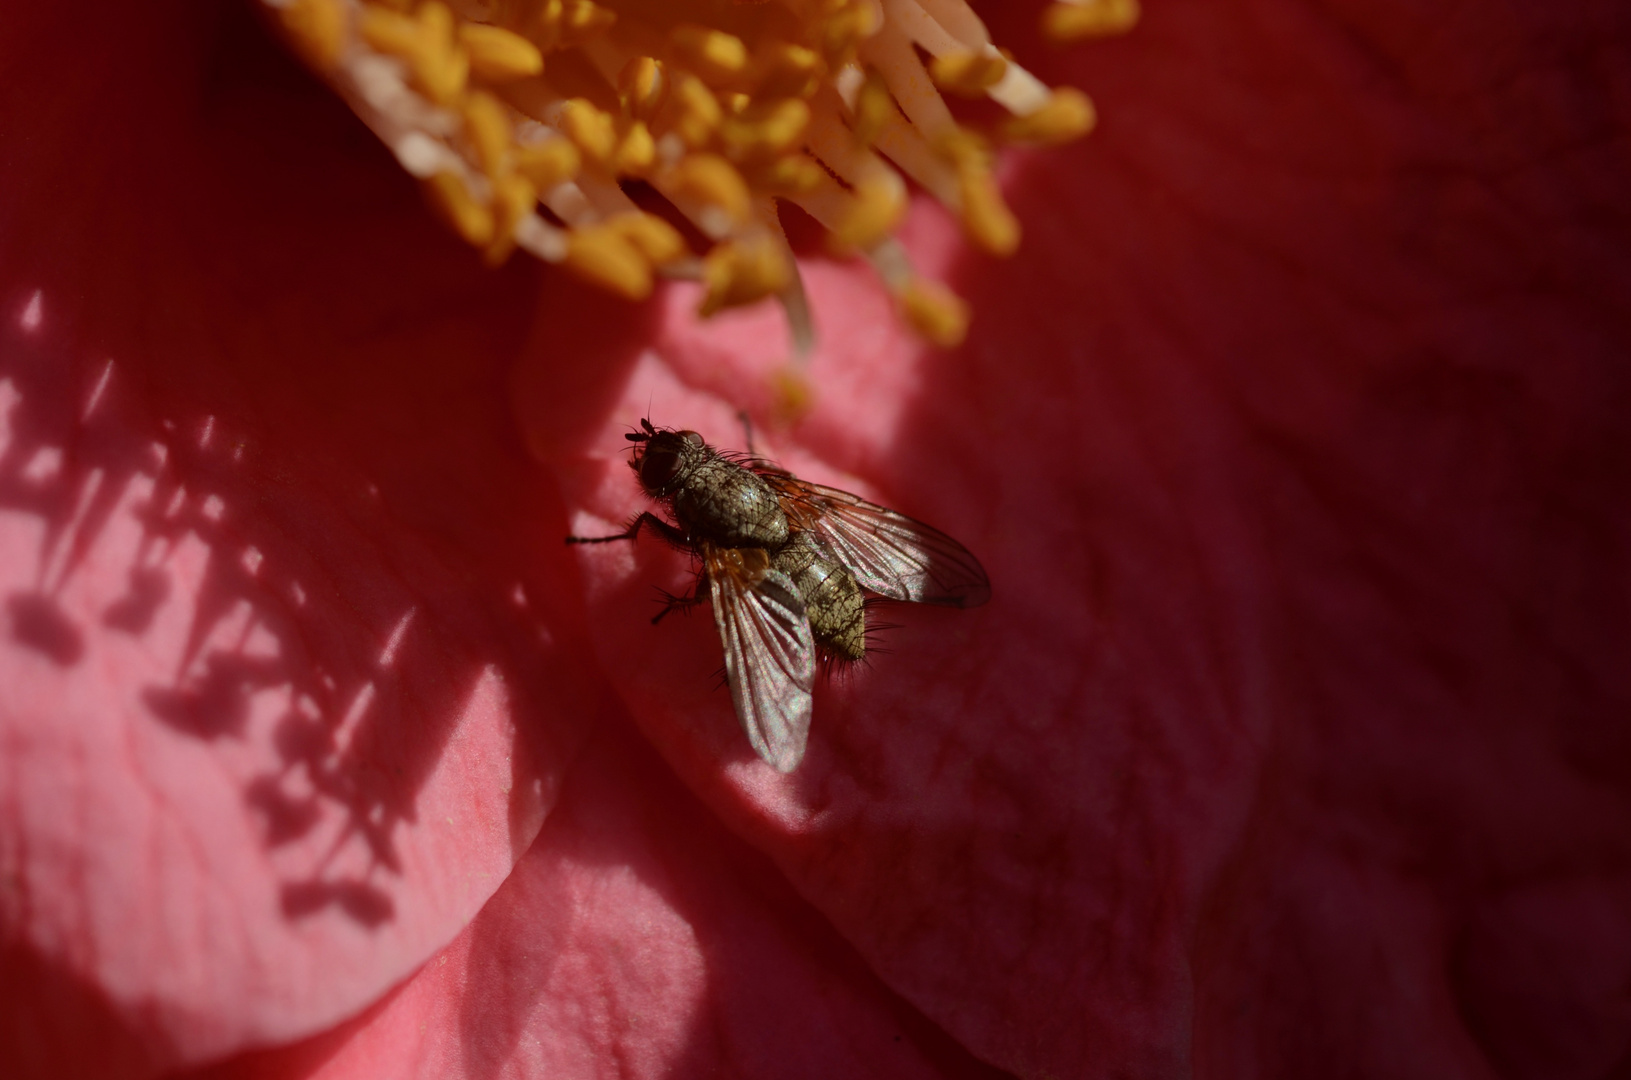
x=504, y=106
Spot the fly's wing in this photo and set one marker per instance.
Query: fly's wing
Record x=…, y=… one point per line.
x=889, y=553
x=769, y=651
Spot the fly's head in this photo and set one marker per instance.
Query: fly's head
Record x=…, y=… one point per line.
x=663, y=457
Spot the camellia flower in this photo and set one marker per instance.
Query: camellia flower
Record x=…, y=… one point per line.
x=1292, y=741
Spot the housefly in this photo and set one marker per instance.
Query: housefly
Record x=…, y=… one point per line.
x=786, y=565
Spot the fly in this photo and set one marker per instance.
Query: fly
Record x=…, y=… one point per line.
x=786, y=565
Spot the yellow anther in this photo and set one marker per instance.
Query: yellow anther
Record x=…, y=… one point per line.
x=426, y=42
x=488, y=129
x=741, y=272
x=497, y=54
x=709, y=181
x=692, y=112
x=1068, y=115
x=874, y=107
x=713, y=54
x=872, y=215
x=602, y=257
x=636, y=151
x=965, y=148
x=642, y=87
x=513, y=199
x=581, y=20
x=785, y=70
x=846, y=28
x=934, y=311
x=987, y=221
x=590, y=129
x=469, y=218
x=651, y=236
x=442, y=75
x=388, y=31
x=561, y=24
x=791, y=174
x=1068, y=22
x=792, y=396
x=437, y=21
x=548, y=163
x=749, y=102
x=317, y=28
x=765, y=129
x=970, y=74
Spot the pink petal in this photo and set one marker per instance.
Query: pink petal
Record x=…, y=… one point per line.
x=286, y=691
x=637, y=938
x=1292, y=741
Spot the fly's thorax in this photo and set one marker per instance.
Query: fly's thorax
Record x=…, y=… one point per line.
x=729, y=505
x=832, y=597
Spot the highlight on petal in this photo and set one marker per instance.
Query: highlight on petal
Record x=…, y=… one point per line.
x=525, y=119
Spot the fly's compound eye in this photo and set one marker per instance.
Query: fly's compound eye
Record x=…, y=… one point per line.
x=658, y=467
x=693, y=438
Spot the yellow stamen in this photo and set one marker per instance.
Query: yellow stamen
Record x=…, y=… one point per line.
x=763, y=130
x=636, y=152
x=389, y=31
x=513, y=199
x=488, y=128
x=1067, y=22
x=1068, y=115
x=873, y=108
x=713, y=54
x=742, y=272
x=935, y=312
x=642, y=87
x=722, y=107
x=785, y=70
x=969, y=74
x=318, y=29
x=707, y=182
x=469, y=218
x=601, y=256
x=497, y=54
x=986, y=218
x=692, y=112
x=589, y=129
x=572, y=22
x=651, y=236
x=789, y=175
x=877, y=209
x=548, y=163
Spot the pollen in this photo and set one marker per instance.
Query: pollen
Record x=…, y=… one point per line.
x=526, y=120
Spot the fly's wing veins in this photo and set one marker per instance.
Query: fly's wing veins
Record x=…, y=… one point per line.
x=889, y=553
x=769, y=652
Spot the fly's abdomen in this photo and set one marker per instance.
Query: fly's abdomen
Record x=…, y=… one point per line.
x=832, y=598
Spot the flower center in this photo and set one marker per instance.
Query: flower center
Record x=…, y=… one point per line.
x=523, y=118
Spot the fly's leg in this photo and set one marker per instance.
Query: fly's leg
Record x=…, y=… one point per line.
x=646, y=520
x=696, y=596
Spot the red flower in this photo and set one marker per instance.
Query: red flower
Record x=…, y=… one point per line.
x=1291, y=743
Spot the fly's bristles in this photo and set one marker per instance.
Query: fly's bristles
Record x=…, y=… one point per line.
x=784, y=563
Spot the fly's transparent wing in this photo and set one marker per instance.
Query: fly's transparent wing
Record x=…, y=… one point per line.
x=889, y=553
x=769, y=651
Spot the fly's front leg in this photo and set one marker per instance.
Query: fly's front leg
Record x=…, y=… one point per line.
x=647, y=520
